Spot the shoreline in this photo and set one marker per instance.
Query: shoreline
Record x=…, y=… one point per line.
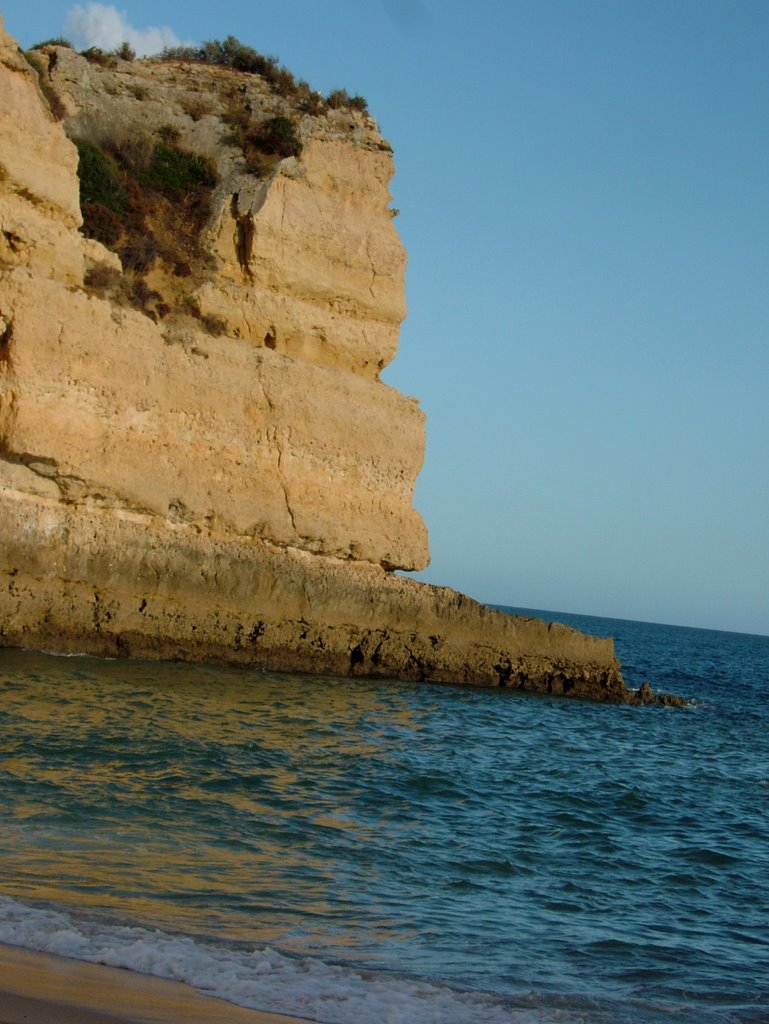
x=42, y=988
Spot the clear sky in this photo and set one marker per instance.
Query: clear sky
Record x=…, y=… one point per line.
x=585, y=203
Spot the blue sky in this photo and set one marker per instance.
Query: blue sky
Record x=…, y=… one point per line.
x=584, y=200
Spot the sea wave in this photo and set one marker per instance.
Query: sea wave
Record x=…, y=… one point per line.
x=370, y=851
x=261, y=978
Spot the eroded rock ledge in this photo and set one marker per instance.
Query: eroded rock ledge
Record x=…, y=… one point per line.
x=114, y=583
x=242, y=496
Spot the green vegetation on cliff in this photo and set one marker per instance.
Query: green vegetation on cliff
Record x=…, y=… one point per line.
x=231, y=53
x=147, y=184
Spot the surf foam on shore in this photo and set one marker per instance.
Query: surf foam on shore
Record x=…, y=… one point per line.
x=262, y=979
x=39, y=988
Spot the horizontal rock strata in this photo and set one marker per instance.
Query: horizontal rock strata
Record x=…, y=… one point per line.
x=277, y=427
x=235, y=495
x=120, y=584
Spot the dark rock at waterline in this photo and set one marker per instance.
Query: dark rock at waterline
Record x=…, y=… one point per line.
x=645, y=696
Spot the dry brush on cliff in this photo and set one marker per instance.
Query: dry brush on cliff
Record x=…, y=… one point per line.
x=154, y=146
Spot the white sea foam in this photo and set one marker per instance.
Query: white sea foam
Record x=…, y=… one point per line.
x=263, y=979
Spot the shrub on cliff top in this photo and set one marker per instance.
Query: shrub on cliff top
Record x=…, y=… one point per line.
x=231, y=53
x=58, y=41
x=339, y=98
x=126, y=52
x=95, y=55
x=234, y=54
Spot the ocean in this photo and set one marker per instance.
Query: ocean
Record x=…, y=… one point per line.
x=377, y=852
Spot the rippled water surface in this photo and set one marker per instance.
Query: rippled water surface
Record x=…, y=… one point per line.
x=377, y=851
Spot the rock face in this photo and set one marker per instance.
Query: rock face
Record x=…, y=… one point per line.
x=279, y=428
x=238, y=495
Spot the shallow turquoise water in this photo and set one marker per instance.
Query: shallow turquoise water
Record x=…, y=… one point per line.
x=377, y=851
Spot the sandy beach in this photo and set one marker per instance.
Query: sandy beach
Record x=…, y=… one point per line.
x=37, y=988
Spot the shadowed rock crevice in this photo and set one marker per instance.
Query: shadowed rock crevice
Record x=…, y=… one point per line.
x=244, y=237
x=6, y=335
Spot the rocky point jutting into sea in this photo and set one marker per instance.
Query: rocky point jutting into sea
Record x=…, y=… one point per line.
x=198, y=459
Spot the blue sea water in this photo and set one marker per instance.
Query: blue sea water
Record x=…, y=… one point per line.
x=364, y=852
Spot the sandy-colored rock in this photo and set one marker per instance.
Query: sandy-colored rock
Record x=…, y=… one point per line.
x=39, y=200
x=37, y=158
x=325, y=263
x=113, y=583
x=215, y=432
x=287, y=441
x=308, y=260
x=242, y=497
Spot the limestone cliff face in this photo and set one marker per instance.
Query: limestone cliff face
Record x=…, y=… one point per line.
x=306, y=259
x=278, y=427
x=238, y=494
x=39, y=199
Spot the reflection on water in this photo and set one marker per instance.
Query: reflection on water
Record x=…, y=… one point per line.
x=498, y=843
x=208, y=799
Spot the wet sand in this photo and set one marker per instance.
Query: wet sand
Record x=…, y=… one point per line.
x=38, y=988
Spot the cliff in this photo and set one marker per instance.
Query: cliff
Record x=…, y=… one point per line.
x=197, y=457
